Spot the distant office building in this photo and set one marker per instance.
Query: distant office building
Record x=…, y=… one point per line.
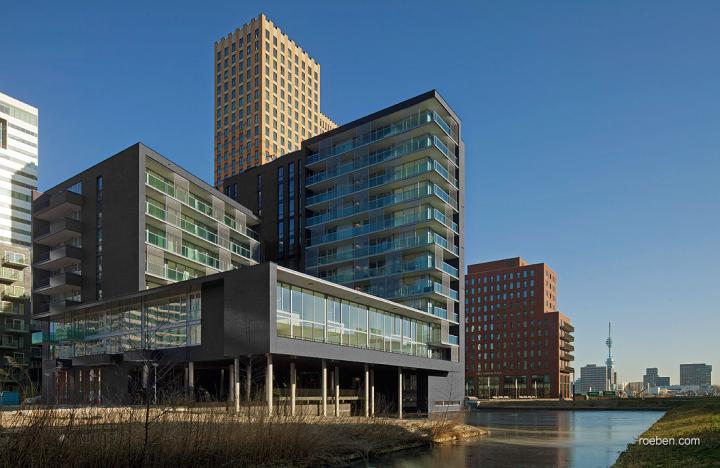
x=652, y=379
x=593, y=378
x=267, y=97
x=695, y=374
x=517, y=343
x=18, y=181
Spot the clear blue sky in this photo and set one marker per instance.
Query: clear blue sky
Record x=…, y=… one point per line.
x=592, y=129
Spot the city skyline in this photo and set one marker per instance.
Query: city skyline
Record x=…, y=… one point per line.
x=609, y=222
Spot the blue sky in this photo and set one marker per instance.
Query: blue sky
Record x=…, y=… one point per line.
x=592, y=129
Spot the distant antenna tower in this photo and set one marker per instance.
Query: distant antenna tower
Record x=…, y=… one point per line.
x=610, y=362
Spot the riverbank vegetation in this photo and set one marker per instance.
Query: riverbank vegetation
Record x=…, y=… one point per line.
x=695, y=424
x=179, y=437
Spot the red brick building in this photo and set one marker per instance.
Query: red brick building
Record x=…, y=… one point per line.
x=516, y=342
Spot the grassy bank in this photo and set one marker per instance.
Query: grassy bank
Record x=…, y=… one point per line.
x=194, y=437
x=694, y=419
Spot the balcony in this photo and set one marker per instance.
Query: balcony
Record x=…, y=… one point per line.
x=567, y=337
x=9, y=275
x=196, y=203
x=567, y=369
x=13, y=293
x=416, y=219
x=58, y=283
x=59, y=257
x=52, y=206
x=16, y=326
x=9, y=342
x=421, y=288
x=566, y=357
x=157, y=212
x=567, y=327
x=59, y=232
x=167, y=273
x=15, y=260
x=392, y=153
x=8, y=308
x=565, y=346
x=54, y=307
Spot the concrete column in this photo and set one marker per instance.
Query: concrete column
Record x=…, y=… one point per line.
x=372, y=392
x=293, y=387
x=324, y=387
x=400, y=393
x=248, y=379
x=191, y=380
x=222, y=381
x=337, y=391
x=231, y=383
x=366, y=402
x=236, y=383
x=269, y=384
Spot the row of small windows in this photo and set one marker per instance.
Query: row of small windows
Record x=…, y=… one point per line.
x=501, y=287
x=498, y=277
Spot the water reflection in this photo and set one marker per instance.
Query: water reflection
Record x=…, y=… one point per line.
x=535, y=439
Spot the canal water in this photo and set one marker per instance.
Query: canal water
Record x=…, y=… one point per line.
x=534, y=439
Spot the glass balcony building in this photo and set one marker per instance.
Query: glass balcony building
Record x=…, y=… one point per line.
x=132, y=222
x=375, y=205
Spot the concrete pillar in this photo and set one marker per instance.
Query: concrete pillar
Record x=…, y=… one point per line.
x=324, y=387
x=337, y=391
x=293, y=387
x=231, y=384
x=400, y=393
x=366, y=402
x=248, y=379
x=269, y=384
x=191, y=380
x=236, y=383
x=372, y=392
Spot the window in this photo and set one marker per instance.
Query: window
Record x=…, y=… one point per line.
x=3, y=133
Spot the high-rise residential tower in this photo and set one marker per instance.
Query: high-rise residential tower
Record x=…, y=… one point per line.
x=376, y=205
x=18, y=180
x=517, y=343
x=267, y=97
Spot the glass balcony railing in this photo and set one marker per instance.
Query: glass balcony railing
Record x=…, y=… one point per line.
x=186, y=252
x=407, y=147
x=198, y=231
x=8, y=342
x=10, y=308
x=15, y=258
x=378, y=134
x=188, y=199
x=171, y=274
x=397, y=221
x=453, y=339
x=417, y=193
x=424, y=287
x=374, y=136
x=386, y=178
x=16, y=326
x=385, y=247
x=9, y=274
